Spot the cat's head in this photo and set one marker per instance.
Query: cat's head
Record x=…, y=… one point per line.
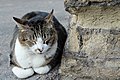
x=39, y=35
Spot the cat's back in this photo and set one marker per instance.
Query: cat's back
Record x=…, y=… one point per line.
x=35, y=14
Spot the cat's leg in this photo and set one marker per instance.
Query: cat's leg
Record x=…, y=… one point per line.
x=42, y=70
x=22, y=73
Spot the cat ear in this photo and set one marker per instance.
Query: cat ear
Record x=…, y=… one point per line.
x=20, y=22
x=49, y=17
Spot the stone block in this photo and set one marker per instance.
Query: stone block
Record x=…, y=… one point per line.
x=93, y=46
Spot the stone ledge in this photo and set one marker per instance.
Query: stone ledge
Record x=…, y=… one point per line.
x=77, y=4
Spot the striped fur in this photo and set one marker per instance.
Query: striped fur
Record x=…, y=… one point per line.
x=37, y=43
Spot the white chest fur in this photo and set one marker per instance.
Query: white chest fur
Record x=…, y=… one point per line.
x=26, y=58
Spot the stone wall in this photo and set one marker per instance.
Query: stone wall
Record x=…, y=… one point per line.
x=93, y=46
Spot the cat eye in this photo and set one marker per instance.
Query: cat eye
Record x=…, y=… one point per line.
x=24, y=39
x=31, y=41
x=46, y=42
x=34, y=42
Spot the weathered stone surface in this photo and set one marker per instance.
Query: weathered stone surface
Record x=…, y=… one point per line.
x=73, y=6
x=100, y=43
x=78, y=66
x=105, y=18
x=74, y=34
x=97, y=55
x=92, y=18
x=93, y=47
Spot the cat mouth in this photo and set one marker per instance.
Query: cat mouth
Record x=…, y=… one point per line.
x=40, y=53
x=37, y=53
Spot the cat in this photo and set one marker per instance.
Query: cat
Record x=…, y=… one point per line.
x=37, y=44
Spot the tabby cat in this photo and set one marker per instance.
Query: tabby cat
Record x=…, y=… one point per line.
x=37, y=44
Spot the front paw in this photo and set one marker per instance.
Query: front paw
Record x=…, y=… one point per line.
x=42, y=70
x=22, y=73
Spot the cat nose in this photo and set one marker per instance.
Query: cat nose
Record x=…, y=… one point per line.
x=39, y=50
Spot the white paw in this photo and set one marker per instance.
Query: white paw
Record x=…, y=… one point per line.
x=22, y=73
x=42, y=70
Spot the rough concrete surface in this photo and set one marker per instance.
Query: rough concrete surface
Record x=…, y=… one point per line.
x=10, y=8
